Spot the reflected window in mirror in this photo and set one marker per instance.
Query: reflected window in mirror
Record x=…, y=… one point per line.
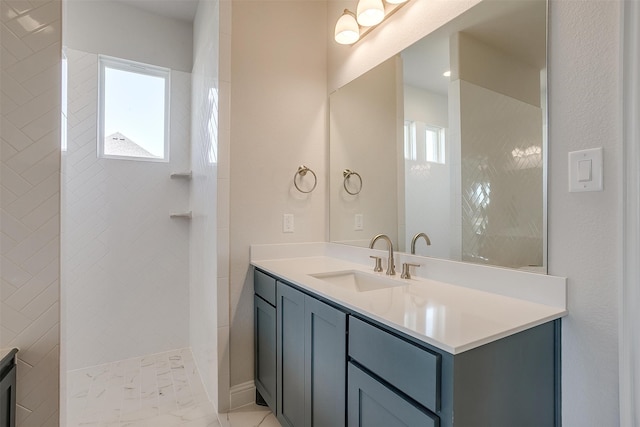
x=424, y=143
x=434, y=141
x=410, y=140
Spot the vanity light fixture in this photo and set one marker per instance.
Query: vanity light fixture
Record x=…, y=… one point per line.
x=351, y=27
x=347, y=29
x=370, y=12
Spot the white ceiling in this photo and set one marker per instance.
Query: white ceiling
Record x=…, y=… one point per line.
x=183, y=10
x=515, y=27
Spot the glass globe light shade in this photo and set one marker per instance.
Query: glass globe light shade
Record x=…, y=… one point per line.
x=347, y=29
x=370, y=12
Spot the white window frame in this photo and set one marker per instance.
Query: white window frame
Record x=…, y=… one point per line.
x=410, y=140
x=440, y=149
x=140, y=68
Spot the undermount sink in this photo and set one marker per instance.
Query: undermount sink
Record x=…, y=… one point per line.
x=358, y=281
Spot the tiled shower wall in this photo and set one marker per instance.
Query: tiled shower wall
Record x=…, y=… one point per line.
x=501, y=179
x=29, y=201
x=125, y=262
x=209, y=289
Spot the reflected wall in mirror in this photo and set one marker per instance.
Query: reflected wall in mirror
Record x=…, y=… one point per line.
x=460, y=156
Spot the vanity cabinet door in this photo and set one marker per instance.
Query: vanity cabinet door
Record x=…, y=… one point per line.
x=325, y=364
x=265, y=350
x=290, y=338
x=311, y=382
x=372, y=404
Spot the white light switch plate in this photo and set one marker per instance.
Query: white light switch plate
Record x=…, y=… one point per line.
x=585, y=170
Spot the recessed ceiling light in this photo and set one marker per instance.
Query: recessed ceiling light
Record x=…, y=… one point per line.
x=447, y=74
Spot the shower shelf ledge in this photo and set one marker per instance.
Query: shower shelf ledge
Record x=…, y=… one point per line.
x=185, y=215
x=182, y=175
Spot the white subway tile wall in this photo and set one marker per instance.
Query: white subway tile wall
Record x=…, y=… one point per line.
x=209, y=312
x=125, y=263
x=30, y=60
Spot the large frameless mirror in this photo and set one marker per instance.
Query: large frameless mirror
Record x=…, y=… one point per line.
x=448, y=138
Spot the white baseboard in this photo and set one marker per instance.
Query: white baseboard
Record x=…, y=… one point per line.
x=242, y=394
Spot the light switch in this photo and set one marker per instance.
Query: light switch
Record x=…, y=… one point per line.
x=585, y=170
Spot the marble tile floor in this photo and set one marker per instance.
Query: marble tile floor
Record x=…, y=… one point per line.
x=249, y=416
x=160, y=390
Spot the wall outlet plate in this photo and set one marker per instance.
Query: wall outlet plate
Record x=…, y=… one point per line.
x=358, y=224
x=287, y=223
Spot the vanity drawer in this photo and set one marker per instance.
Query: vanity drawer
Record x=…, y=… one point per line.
x=265, y=287
x=370, y=403
x=409, y=368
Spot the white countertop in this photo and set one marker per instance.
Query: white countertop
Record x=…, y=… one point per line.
x=450, y=317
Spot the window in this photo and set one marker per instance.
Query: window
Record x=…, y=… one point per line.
x=134, y=110
x=434, y=138
x=424, y=143
x=410, y=140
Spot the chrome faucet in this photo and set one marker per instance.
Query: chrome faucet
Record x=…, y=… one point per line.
x=415, y=238
x=391, y=268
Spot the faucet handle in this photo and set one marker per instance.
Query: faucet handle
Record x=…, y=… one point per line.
x=405, y=270
x=378, y=267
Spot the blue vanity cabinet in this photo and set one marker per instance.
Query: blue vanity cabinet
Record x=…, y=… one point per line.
x=264, y=318
x=513, y=381
x=8, y=389
x=335, y=367
x=505, y=383
x=311, y=337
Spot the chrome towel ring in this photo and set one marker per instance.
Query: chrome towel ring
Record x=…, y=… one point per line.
x=348, y=174
x=302, y=171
